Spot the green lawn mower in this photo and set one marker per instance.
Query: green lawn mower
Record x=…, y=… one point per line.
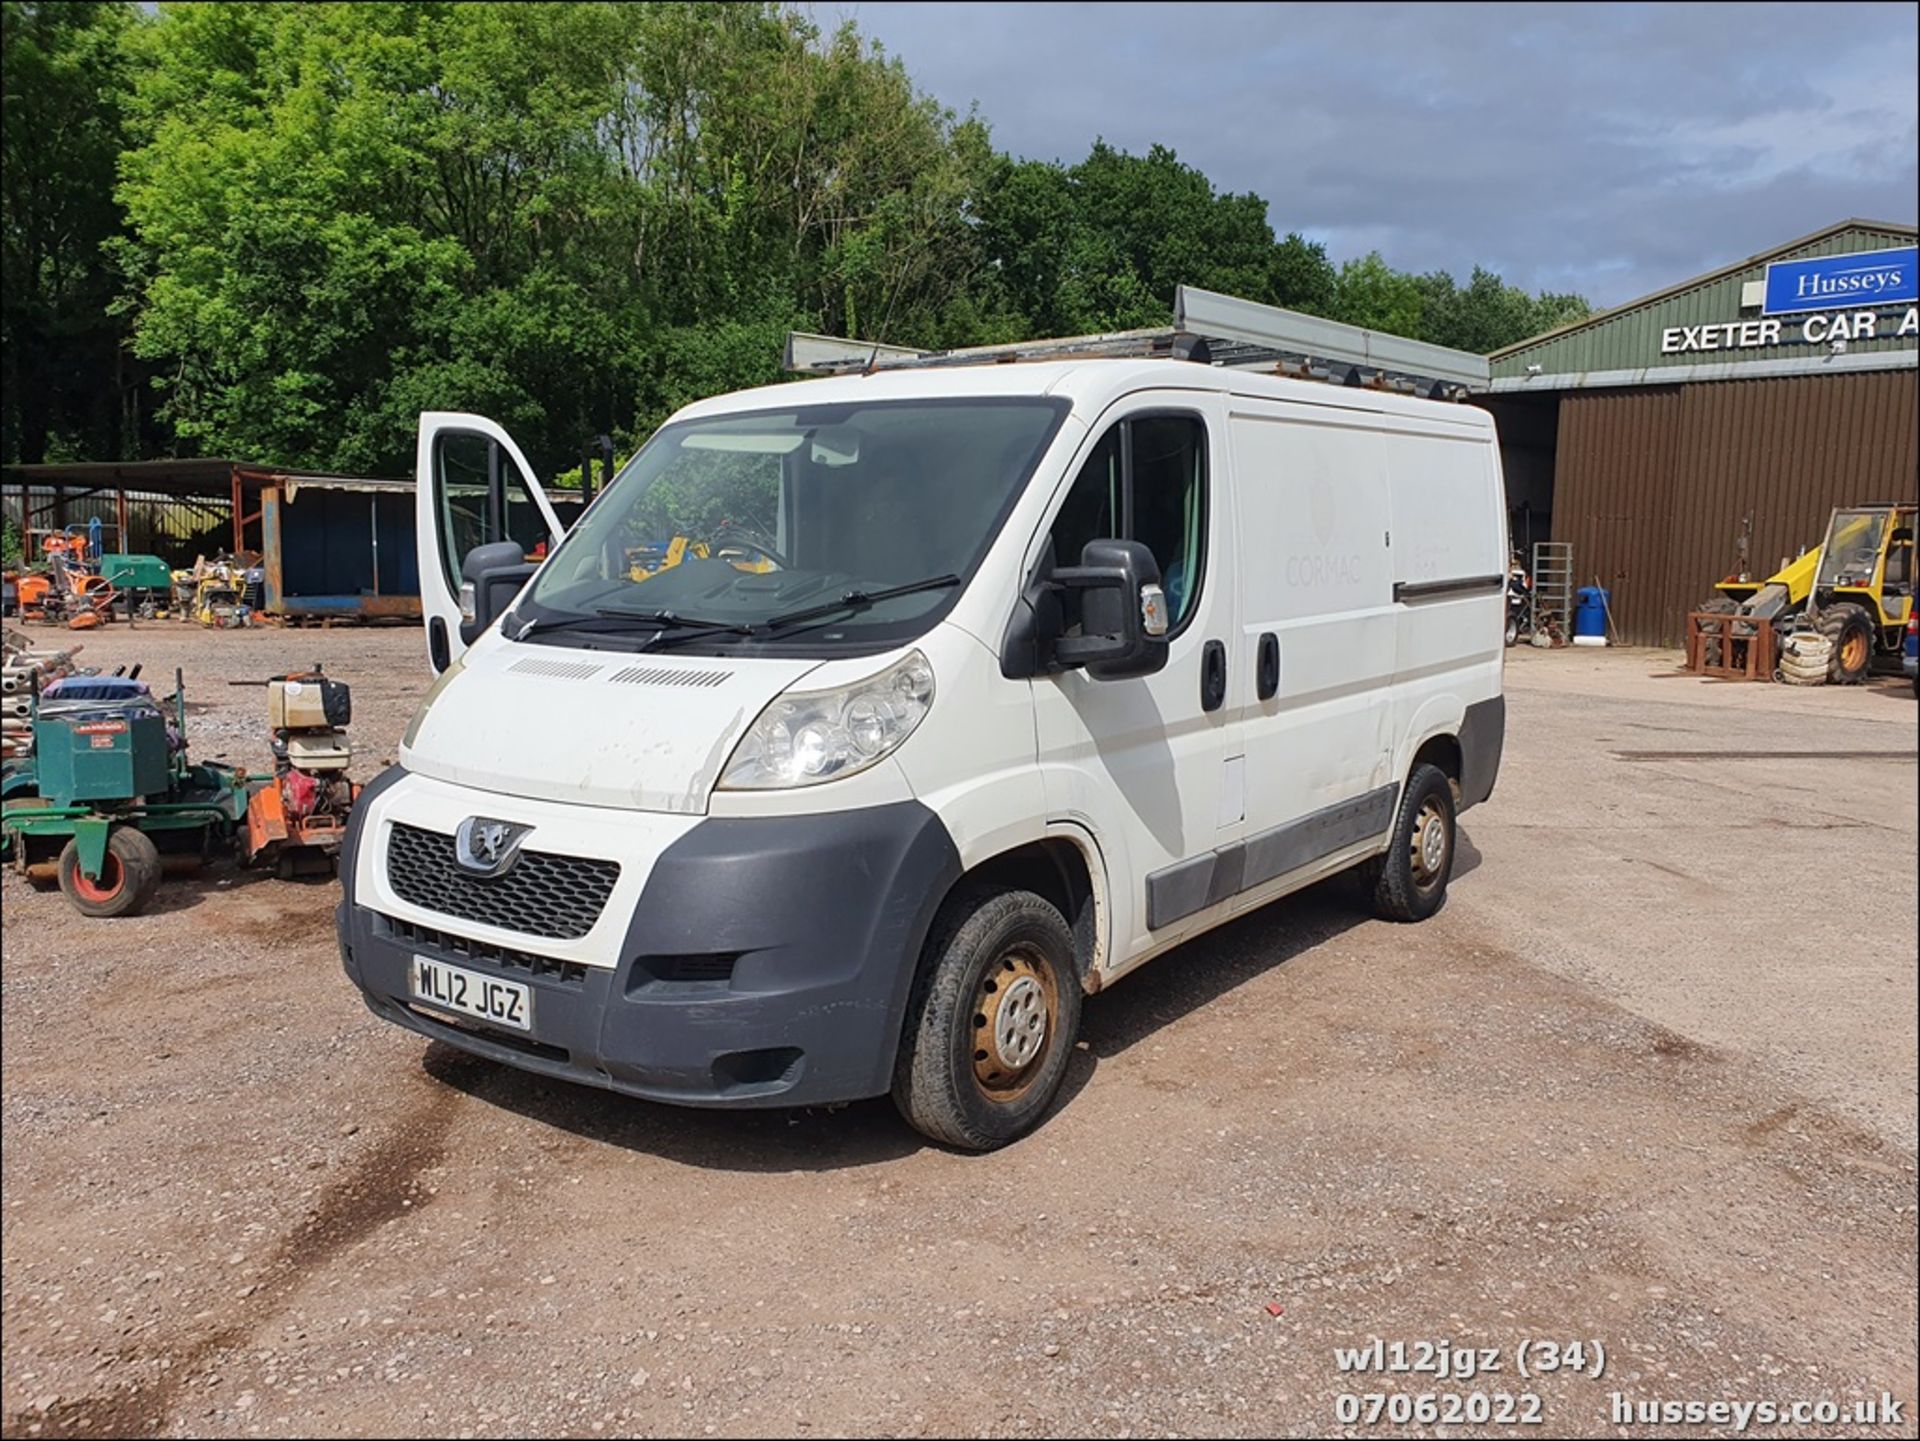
x=108, y=800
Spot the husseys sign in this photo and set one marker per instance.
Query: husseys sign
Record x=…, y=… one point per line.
x=1869, y=295
x=1831, y=282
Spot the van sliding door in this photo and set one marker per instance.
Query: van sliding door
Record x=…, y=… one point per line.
x=1316, y=612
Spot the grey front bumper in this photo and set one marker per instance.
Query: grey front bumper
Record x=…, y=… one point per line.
x=768, y=963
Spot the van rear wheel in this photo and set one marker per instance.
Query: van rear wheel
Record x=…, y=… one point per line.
x=991, y=1022
x=1409, y=880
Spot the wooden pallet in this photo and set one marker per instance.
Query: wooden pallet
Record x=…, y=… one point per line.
x=1747, y=647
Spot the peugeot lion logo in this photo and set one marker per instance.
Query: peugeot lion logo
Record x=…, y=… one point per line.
x=487, y=847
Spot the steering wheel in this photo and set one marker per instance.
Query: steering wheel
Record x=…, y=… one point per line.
x=735, y=534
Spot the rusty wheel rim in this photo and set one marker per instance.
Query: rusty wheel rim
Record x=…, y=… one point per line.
x=1853, y=652
x=1432, y=843
x=112, y=878
x=1015, y=1014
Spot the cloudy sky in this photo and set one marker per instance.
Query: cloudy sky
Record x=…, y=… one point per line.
x=1610, y=150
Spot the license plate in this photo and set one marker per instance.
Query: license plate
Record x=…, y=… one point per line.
x=497, y=1002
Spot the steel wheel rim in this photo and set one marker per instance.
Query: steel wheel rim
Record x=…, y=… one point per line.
x=1016, y=1009
x=1431, y=845
x=113, y=877
x=1853, y=651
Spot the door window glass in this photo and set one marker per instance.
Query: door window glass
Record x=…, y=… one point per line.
x=523, y=521
x=1168, y=502
x=1146, y=480
x=467, y=466
x=460, y=476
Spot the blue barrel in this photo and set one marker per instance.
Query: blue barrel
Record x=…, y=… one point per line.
x=1590, y=615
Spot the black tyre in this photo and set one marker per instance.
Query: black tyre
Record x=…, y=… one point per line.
x=128, y=877
x=1513, y=628
x=1711, y=648
x=1409, y=880
x=1850, y=629
x=991, y=1022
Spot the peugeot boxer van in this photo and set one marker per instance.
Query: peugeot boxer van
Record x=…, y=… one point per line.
x=863, y=727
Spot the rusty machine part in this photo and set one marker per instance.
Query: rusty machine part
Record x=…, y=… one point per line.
x=24, y=669
x=297, y=820
x=70, y=591
x=1015, y=1012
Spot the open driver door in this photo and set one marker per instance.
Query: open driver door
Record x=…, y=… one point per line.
x=473, y=487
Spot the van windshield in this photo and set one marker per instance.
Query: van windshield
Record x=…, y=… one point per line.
x=746, y=529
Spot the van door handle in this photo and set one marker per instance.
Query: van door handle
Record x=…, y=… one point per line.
x=1267, y=679
x=1213, y=676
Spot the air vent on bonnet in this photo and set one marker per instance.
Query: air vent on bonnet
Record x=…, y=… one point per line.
x=558, y=669
x=667, y=675
x=629, y=675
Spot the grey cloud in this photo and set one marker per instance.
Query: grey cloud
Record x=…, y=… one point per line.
x=1608, y=149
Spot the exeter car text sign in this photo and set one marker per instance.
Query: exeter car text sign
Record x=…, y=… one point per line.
x=1833, y=282
x=1821, y=329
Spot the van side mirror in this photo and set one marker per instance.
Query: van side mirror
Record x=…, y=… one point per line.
x=1123, y=612
x=490, y=577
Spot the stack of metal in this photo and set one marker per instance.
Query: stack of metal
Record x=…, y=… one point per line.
x=24, y=666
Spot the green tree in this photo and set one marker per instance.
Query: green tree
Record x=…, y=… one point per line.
x=1373, y=294
x=567, y=216
x=1103, y=244
x=64, y=386
x=1486, y=314
x=1302, y=278
x=1552, y=310
x=347, y=213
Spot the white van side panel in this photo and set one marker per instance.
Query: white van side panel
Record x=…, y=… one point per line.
x=1449, y=525
x=1316, y=574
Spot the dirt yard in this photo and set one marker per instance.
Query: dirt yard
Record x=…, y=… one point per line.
x=1648, y=1080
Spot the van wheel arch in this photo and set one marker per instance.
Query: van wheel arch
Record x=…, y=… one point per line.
x=1059, y=871
x=1441, y=751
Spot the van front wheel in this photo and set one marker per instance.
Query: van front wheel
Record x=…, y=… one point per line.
x=1409, y=880
x=991, y=1022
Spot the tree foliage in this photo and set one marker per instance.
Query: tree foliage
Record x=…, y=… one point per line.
x=571, y=217
x=63, y=384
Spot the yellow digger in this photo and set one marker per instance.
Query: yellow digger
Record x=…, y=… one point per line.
x=1856, y=588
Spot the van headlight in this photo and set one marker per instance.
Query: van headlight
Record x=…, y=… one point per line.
x=440, y=683
x=805, y=737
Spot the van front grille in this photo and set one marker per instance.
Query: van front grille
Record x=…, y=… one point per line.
x=465, y=948
x=543, y=894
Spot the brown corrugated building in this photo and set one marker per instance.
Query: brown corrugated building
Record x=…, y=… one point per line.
x=1774, y=389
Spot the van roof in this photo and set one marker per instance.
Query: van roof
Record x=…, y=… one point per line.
x=1090, y=383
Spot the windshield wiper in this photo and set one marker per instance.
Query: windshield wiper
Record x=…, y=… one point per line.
x=859, y=600
x=611, y=618
x=683, y=627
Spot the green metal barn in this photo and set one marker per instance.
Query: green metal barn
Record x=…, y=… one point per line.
x=1773, y=389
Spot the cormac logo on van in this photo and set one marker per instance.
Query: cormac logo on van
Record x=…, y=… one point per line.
x=487, y=847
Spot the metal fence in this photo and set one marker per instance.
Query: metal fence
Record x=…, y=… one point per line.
x=175, y=528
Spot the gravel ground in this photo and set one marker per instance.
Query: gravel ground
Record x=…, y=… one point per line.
x=1648, y=1080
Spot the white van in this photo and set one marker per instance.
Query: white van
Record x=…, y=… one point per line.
x=865, y=725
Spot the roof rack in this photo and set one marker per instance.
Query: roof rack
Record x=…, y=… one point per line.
x=1208, y=328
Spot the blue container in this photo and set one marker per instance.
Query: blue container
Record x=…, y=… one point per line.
x=1590, y=615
